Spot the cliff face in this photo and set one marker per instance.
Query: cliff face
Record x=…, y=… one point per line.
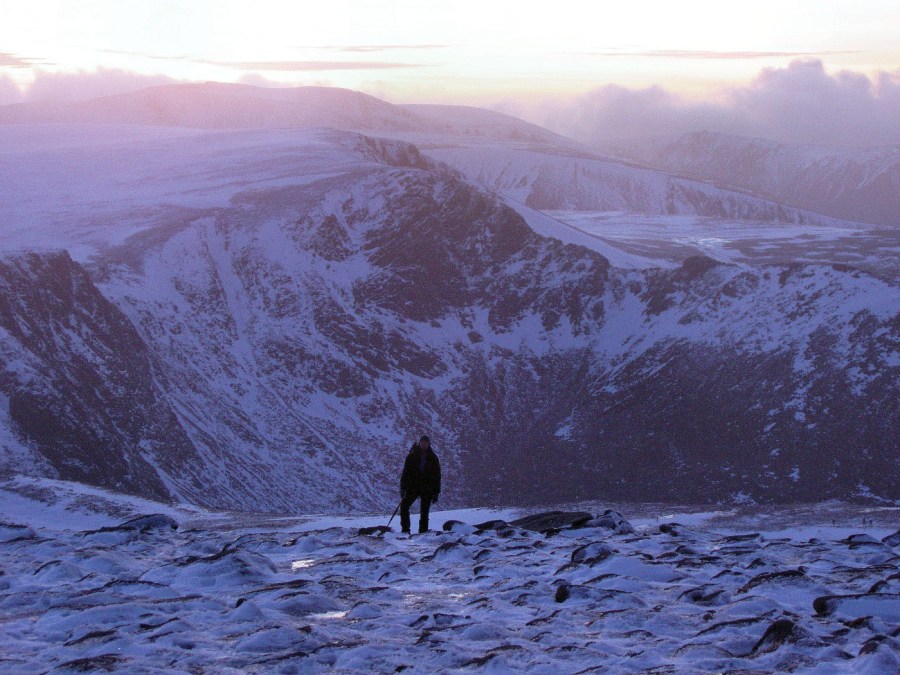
x=79, y=382
x=279, y=353
x=550, y=178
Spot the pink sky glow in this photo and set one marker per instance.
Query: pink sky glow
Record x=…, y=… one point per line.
x=563, y=63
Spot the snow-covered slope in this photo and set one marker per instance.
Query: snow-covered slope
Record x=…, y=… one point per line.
x=300, y=312
x=523, y=161
x=107, y=586
x=79, y=387
x=215, y=105
x=861, y=185
x=552, y=177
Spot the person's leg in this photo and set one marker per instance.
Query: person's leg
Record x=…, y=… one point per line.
x=405, y=503
x=423, y=513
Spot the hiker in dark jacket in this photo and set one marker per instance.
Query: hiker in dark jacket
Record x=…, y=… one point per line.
x=421, y=479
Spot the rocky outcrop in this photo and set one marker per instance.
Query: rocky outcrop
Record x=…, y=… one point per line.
x=82, y=389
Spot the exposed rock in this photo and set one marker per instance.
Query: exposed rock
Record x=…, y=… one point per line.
x=591, y=554
x=10, y=532
x=107, y=663
x=703, y=595
x=751, y=536
x=858, y=540
x=450, y=550
x=884, y=605
x=89, y=397
x=611, y=520
x=153, y=521
x=871, y=645
x=770, y=577
x=892, y=540
x=675, y=529
x=779, y=632
x=140, y=524
x=552, y=520
x=375, y=530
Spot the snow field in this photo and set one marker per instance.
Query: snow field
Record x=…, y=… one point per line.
x=245, y=593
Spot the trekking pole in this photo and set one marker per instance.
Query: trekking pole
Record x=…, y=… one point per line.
x=395, y=513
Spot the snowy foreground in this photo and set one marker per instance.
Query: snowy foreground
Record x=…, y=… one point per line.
x=236, y=593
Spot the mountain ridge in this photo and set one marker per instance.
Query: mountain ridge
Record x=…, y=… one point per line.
x=299, y=333
x=850, y=184
x=224, y=106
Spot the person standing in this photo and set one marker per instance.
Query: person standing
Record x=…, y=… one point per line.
x=421, y=479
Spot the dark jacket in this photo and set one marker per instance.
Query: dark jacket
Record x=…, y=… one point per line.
x=415, y=480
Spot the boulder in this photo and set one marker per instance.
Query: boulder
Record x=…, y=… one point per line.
x=141, y=524
x=591, y=554
x=892, y=540
x=674, y=529
x=859, y=540
x=154, y=521
x=774, y=577
x=778, y=632
x=459, y=527
x=374, y=531
x=883, y=605
x=551, y=521
x=492, y=525
x=612, y=520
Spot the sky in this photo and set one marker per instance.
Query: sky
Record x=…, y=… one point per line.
x=521, y=56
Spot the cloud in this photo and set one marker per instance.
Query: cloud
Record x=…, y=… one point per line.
x=8, y=60
x=380, y=48
x=311, y=66
x=81, y=86
x=800, y=103
x=711, y=55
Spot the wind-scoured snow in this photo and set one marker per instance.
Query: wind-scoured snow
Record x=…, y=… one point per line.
x=84, y=187
x=88, y=585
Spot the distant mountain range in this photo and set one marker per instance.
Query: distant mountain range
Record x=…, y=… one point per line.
x=861, y=185
x=263, y=319
x=215, y=105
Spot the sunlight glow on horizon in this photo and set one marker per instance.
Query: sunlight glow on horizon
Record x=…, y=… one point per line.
x=424, y=50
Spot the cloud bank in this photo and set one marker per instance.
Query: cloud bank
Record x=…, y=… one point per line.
x=800, y=103
x=78, y=86
x=310, y=66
